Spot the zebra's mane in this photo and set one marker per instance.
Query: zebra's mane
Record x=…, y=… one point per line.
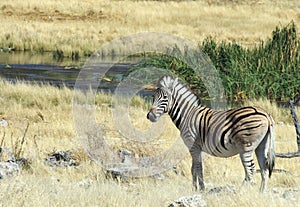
x=170, y=84
x=167, y=82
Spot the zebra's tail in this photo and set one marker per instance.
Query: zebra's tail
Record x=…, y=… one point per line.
x=271, y=152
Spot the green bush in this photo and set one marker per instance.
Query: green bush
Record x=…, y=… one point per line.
x=270, y=69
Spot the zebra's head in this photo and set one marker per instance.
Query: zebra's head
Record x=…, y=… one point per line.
x=162, y=98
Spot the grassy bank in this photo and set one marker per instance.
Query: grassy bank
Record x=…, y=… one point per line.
x=48, y=110
x=81, y=27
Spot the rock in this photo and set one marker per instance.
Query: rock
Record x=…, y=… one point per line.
x=8, y=169
x=159, y=176
x=6, y=154
x=129, y=166
x=9, y=165
x=3, y=123
x=190, y=201
x=123, y=170
x=126, y=156
x=121, y=173
x=85, y=183
x=61, y=159
x=145, y=161
x=290, y=194
x=222, y=189
x=22, y=161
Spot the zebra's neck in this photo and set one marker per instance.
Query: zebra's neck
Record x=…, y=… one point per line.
x=183, y=101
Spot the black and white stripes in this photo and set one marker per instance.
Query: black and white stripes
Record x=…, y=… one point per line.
x=240, y=131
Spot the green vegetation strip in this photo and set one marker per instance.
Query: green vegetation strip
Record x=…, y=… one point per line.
x=269, y=70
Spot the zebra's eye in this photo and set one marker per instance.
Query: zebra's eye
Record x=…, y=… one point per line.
x=165, y=96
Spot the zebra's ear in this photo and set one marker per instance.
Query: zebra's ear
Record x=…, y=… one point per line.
x=172, y=83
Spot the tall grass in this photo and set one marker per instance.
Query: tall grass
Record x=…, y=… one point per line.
x=83, y=26
x=271, y=69
x=87, y=185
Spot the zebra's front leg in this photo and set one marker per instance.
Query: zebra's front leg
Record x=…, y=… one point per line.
x=197, y=170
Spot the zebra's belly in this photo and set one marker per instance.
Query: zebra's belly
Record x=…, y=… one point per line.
x=220, y=151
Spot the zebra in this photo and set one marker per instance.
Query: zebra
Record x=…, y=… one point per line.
x=240, y=131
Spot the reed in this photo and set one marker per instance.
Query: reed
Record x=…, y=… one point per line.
x=270, y=69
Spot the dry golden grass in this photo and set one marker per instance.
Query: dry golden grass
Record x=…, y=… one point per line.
x=84, y=26
x=48, y=111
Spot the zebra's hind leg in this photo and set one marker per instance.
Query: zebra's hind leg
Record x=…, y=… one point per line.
x=261, y=154
x=249, y=166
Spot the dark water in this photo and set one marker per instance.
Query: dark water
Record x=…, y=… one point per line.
x=37, y=68
x=39, y=73
x=43, y=68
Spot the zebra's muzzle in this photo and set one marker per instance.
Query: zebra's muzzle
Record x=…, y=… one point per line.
x=151, y=116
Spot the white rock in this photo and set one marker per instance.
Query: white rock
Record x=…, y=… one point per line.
x=3, y=123
x=190, y=201
x=9, y=169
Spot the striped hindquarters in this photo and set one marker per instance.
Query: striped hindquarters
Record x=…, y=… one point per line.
x=226, y=133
